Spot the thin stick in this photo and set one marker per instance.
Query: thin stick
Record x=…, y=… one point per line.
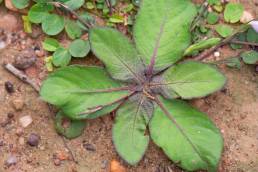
x=204, y=7
x=58, y=5
x=19, y=74
x=109, y=6
x=244, y=43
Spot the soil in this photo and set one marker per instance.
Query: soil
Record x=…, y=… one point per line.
x=234, y=110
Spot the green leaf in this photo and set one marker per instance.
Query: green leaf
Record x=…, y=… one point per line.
x=250, y=57
x=61, y=57
x=212, y=18
x=252, y=36
x=79, y=48
x=53, y=24
x=76, y=90
x=74, y=4
x=117, y=53
x=129, y=131
x=233, y=12
x=50, y=44
x=162, y=31
x=74, y=129
x=202, y=45
x=72, y=29
x=239, y=37
x=214, y=2
x=193, y=79
x=224, y=30
x=20, y=4
x=38, y=12
x=233, y=62
x=187, y=136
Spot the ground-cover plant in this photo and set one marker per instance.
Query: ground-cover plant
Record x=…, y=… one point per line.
x=143, y=83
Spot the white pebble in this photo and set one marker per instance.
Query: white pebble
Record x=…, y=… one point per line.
x=246, y=17
x=25, y=121
x=217, y=54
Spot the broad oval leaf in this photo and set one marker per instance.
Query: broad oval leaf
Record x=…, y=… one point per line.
x=78, y=91
x=38, y=12
x=52, y=24
x=193, y=79
x=129, y=130
x=117, y=53
x=50, y=44
x=187, y=136
x=162, y=30
x=233, y=12
x=73, y=29
x=61, y=57
x=79, y=48
x=74, y=4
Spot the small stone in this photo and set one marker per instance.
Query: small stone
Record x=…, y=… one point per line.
x=25, y=121
x=217, y=54
x=9, y=5
x=89, y=147
x=18, y=104
x=2, y=45
x=1, y=143
x=104, y=164
x=246, y=17
x=10, y=115
x=57, y=162
x=61, y=155
x=39, y=53
x=9, y=87
x=256, y=68
x=19, y=132
x=21, y=141
x=9, y=22
x=33, y=139
x=11, y=160
x=115, y=166
x=24, y=62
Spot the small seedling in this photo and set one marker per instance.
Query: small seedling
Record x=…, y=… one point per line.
x=142, y=83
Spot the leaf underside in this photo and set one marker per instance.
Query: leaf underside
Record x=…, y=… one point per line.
x=129, y=129
x=162, y=31
x=186, y=135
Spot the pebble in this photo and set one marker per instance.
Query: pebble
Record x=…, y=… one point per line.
x=19, y=132
x=89, y=147
x=2, y=45
x=33, y=139
x=246, y=17
x=256, y=68
x=18, y=104
x=9, y=5
x=1, y=143
x=39, y=53
x=217, y=54
x=9, y=22
x=11, y=160
x=24, y=62
x=115, y=166
x=21, y=141
x=9, y=87
x=25, y=121
x=57, y=162
x=10, y=115
x=104, y=164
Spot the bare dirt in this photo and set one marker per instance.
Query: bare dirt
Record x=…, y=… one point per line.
x=234, y=110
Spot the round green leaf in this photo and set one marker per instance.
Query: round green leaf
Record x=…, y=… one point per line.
x=38, y=12
x=212, y=18
x=187, y=136
x=129, y=132
x=193, y=79
x=224, y=30
x=250, y=57
x=75, y=90
x=74, y=4
x=20, y=4
x=74, y=129
x=79, y=48
x=233, y=12
x=72, y=29
x=53, y=24
x=61, y=57
x=50, y=44
x=252, y=36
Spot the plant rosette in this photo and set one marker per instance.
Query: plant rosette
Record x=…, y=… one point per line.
x=143, y=83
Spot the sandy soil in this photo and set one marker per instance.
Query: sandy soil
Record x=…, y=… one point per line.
x=234, y=110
